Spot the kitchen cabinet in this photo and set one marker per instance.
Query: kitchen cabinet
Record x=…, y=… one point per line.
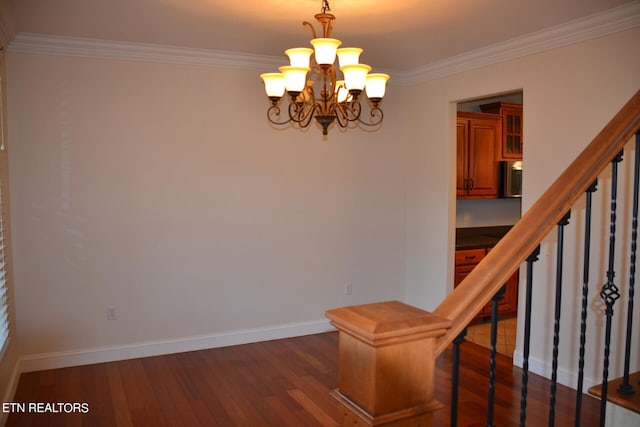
x=465, y=262
x=511, y=145
x=478, y=136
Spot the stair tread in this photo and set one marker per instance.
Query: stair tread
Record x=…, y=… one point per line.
x=630, y=402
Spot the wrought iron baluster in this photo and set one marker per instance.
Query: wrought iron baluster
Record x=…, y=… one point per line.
x=492, y=359
x=609, y=293
x=527, y=335
x=626, y=388
x=455, y=376
x=556, y=322
x=585, y=295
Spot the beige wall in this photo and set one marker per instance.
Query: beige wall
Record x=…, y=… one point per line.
x=569, y=94
x=161, y=189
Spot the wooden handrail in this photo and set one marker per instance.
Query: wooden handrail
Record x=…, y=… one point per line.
x=486, y=279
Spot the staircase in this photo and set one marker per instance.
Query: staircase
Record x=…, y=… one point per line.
x=624, y=410
x=388, y=350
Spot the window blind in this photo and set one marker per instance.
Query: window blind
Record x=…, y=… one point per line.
x=4, y=300
x=4, y=314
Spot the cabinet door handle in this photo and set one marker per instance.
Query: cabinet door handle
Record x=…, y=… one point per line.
x=470, y=257
x=470, y=183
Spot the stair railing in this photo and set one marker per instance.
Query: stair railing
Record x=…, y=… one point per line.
x=522, y=244
x=379, y=342
x=505, y=258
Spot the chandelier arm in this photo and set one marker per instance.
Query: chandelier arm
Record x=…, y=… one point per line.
x=302, y=112
x=327, y=28
x=312, y=113
x=313, y=30
x=351, y=110
x=272, y=113
x=376, y=117
x=333, y=98
x=341, y=116
x=296, y=111
x=327, y=92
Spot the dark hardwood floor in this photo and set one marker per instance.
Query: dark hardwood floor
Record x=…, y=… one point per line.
x=275, y=383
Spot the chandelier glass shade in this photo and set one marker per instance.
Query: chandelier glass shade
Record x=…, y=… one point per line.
x=314, y=91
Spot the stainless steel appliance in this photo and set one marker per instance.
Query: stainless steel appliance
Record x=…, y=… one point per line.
x=511, y=178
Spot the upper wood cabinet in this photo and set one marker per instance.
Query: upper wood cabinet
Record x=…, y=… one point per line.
x=478, y=140
x=511, y=128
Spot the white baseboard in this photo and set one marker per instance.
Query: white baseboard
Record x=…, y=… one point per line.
x=542, y=368
x=37, y=362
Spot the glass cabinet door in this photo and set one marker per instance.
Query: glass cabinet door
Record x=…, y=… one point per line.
x=512, y=134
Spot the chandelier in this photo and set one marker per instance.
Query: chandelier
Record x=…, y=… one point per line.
x=333, y=100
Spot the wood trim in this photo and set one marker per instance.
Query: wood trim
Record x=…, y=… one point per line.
x=387, y=365
x=42, y=44
x=630, y=401
x=498, y=265
x=590, y=27
x=39, y=362
x=387, y=323
x=417, y=411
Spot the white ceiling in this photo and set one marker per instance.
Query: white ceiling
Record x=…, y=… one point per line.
x=396, y=34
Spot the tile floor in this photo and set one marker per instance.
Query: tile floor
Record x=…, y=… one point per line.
x=480, y=333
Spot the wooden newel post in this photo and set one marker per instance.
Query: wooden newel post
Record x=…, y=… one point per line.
x=387, y=364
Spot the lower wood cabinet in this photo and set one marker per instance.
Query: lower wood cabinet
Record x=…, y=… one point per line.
x=466, y=260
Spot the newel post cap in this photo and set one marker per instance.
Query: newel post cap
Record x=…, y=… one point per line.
x=388, y=322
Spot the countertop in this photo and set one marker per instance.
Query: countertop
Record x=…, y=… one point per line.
x=480, y=237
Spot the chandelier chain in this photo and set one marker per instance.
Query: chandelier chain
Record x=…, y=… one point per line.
x=325, y=6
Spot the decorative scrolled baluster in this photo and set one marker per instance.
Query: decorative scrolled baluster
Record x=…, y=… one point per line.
x=610, y=292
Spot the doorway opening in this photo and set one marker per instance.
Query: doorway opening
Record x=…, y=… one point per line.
x=489, y=171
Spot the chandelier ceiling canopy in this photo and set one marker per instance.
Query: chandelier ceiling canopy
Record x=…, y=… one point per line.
x=332, y=100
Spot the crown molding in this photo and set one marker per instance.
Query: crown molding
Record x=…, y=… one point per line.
x=611, y=21
x=92, y=48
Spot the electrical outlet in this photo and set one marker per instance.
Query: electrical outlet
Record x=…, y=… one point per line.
x=111, y=312
x=348, y=288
